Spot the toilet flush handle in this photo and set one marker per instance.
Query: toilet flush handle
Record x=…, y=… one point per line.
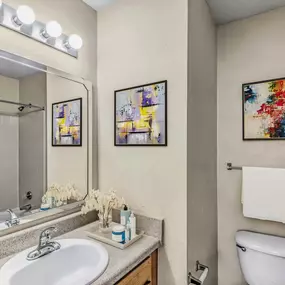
x=241, y=247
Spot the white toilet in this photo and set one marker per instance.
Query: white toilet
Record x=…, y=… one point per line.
x=262, y=258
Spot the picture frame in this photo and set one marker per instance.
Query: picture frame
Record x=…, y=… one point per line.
x=140, y=115
x=263, y=109
x=67, y=128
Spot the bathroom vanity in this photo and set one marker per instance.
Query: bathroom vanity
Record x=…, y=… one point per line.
x=136, y=265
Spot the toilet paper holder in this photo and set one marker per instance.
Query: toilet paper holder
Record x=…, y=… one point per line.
x=200, y=281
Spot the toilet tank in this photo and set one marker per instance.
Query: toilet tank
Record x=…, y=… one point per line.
x=262, y=258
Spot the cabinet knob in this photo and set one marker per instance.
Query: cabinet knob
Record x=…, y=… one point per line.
x=147, y=282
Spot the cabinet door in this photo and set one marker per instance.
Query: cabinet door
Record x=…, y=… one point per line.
x=139, y=276
x=144, y=274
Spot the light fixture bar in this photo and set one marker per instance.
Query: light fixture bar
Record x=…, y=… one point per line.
x=34, y=31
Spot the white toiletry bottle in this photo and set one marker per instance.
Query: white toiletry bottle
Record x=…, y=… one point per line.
x=133, y=223
x=128, y=231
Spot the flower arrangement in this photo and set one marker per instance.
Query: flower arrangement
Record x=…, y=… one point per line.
x=103, y=202
x=59, y=194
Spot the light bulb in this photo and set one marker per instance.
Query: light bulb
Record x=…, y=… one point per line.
x=25, y=15
x=75, y=42
x=53, y=29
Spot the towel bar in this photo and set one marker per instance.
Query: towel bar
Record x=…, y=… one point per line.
x=231, y=167
x=200, y=281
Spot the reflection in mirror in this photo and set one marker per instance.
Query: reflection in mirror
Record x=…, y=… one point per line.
x=44, y=147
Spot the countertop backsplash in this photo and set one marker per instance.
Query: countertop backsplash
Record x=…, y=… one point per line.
x=151, y=226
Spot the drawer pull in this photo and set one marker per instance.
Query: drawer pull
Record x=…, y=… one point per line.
x=147, y=282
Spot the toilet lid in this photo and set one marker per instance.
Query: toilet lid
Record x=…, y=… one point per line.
x=260, y=242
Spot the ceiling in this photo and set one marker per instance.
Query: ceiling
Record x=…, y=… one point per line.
x=224, y=11
x=98, y=4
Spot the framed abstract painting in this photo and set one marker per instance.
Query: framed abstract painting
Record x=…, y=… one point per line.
x=141, y=115
x=264, y=110
x=67, y=123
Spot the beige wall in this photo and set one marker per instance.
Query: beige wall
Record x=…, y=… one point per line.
x=141, y=42
x=202, y=141
x=9, y=91
x=248, y=50
x=32, y=140
x=75, y=17
x=9, y=143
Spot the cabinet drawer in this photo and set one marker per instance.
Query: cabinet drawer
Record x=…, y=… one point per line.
x=139, y=276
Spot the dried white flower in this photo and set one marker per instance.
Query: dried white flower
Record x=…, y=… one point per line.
x=61, y=194
x=103, y=202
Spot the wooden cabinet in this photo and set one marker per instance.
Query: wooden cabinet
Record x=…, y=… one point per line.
x=144, y=274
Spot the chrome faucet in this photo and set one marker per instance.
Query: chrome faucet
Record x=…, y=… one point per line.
x=46, y=246
x=14, y=220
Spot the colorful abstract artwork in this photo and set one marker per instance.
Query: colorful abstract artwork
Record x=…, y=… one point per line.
x=140, y=115
x=67, y=123
x=264, y=110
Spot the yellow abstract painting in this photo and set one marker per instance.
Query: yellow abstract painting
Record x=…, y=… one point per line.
x=140, y=117
x=67, y=123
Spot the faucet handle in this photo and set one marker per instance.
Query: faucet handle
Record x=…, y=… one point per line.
x=45, y=245
x=46, y=233
x=12, y=214
x=14, y=220
x=45, y=236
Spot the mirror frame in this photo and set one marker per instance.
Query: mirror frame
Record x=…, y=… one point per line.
x=74, y=207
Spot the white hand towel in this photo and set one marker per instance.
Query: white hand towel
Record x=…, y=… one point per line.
x=264, y=193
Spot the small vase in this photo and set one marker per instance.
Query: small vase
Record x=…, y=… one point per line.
x=104, y=223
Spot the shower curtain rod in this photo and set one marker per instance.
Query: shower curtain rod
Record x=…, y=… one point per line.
x=21, y=104
x=19, y=114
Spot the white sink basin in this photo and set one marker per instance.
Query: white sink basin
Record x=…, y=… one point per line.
x=78, y=262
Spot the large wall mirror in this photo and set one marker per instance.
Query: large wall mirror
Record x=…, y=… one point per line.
x=45, y=142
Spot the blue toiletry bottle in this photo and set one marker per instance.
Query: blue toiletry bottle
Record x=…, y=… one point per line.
x=125, y=215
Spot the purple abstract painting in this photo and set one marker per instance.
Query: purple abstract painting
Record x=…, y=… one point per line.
x=67, y=123
x=140, y=117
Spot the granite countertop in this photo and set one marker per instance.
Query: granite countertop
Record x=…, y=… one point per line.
x=121, y=262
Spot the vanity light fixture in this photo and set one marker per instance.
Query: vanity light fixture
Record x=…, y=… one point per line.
x=52, y=30
x=74, y=41
x=24, y=16
x=23, y=21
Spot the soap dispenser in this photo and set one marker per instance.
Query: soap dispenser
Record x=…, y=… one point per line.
x=125, y=215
